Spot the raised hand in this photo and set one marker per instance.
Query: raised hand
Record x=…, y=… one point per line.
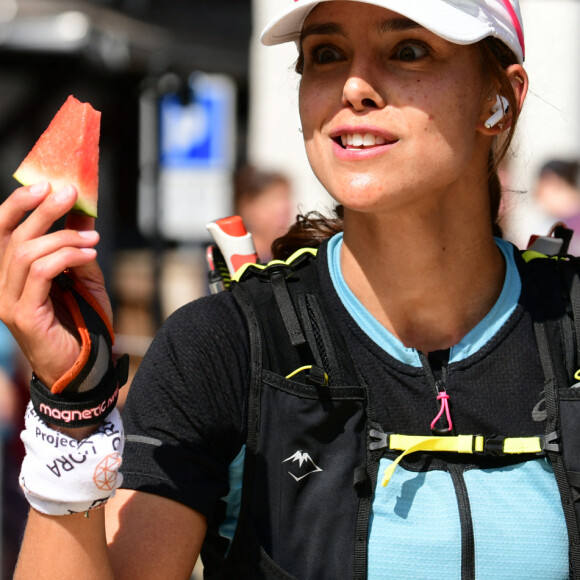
x=31, y=257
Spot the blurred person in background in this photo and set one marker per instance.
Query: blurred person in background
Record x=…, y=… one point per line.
x=554, y=198
x=263, y=199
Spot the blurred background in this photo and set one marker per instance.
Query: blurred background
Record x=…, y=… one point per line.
x=198, y=121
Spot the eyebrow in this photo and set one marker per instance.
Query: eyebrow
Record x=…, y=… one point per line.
x=323, y=28
x=397, y=25
x=387, y=25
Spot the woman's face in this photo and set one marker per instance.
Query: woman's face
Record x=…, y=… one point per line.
x=390, y=112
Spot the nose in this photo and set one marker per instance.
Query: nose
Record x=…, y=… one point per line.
x=361, y=91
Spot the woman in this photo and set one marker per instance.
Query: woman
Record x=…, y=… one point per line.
x=403, y=120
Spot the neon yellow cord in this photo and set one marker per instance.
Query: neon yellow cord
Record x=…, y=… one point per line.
x=299, y=370
x=305, y=368
x=414, y=443
x=459, y=444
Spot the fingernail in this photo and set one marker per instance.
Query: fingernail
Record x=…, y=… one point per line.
x=64, y=194
x=39, y=188
x=88, y=234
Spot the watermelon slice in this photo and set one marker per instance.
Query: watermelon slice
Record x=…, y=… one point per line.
x=68, y=153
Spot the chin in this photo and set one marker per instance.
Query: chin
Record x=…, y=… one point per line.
x=369, y=200
x=360, y=189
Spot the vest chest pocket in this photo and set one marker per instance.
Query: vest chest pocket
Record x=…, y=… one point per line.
x=311, y=439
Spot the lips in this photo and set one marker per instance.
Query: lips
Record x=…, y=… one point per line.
x=361, y=143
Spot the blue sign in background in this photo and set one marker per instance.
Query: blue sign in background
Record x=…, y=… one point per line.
x=197, y=134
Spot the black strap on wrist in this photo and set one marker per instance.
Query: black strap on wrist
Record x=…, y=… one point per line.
x=88, y=391
x=80, y=409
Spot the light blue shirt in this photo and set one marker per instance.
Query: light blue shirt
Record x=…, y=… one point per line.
x=470, y=343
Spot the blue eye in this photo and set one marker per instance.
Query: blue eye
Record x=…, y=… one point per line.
x=410, y=52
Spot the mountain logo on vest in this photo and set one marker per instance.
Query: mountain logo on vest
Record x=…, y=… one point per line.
x=302, y=465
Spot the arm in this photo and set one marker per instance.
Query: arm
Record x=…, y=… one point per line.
x=148, y=532
x=150, y=538
x=64, y=547
x=31, y=256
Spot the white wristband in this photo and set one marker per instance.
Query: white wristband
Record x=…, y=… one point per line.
x=60, y=475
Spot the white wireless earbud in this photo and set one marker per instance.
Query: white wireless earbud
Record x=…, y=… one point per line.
x=500, y=109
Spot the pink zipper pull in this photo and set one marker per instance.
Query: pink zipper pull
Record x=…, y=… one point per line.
x=443, y=397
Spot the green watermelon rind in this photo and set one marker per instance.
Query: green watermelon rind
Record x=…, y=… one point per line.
x=28, y=176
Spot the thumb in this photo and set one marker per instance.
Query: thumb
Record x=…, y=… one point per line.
x=91, y=276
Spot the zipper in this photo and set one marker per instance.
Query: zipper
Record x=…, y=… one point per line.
x=465, y=522
x=435, y=367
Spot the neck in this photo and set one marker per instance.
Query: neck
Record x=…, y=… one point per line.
x=429, y=280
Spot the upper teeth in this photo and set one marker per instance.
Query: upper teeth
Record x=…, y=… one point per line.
x=362, y=140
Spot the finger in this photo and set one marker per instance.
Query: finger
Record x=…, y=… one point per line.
x=52, y=207
x=36, y=289
x=32, y=317
x=17, y=205
x=56, y=205
x=63, y=245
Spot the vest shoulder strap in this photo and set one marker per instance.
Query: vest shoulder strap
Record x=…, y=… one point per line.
x=283, y=299
x=562, y=399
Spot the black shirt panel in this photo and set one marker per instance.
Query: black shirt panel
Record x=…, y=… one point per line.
x=185, y=412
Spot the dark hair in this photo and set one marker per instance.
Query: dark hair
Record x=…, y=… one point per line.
x=309, y=230
x=313, y=228
x=569, y=171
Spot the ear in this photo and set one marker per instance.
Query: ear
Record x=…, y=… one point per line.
x=519, y=81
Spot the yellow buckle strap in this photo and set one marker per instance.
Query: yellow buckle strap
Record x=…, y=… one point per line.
x=458, y=444
x=522, y=445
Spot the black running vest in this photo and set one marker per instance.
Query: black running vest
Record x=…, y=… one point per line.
x=307, y=392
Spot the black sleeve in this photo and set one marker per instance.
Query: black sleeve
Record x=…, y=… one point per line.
x=184, y=414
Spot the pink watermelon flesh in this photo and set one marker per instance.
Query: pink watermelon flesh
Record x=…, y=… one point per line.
x=68, y=153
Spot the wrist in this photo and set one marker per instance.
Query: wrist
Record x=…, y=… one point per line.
x=62, y=475
x=88, y=405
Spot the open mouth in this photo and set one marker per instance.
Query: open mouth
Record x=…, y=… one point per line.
x=360, y=140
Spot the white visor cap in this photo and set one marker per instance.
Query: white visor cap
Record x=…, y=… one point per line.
x=458, y=21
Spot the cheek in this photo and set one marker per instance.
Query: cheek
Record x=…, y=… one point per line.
x=457, y=108
x=318, y=100
x=308, y=107
x=449, y=120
